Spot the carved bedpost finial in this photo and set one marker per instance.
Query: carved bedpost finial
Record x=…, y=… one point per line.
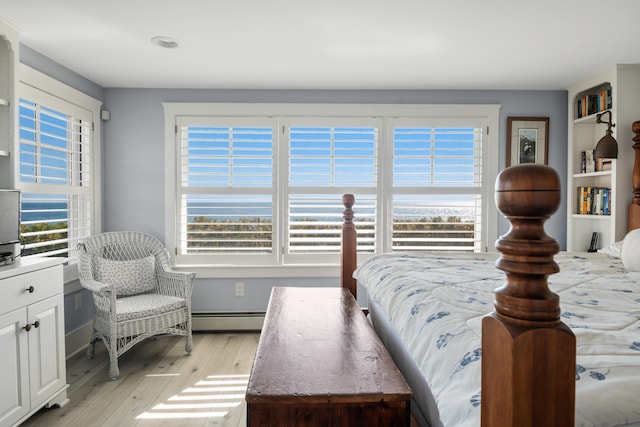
x=527, y=195
x=349, y=255
x=348, y=200
x=528, y=354
x=635, y=127
x=634, y=207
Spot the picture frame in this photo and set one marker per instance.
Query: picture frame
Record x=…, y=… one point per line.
x=527, y=140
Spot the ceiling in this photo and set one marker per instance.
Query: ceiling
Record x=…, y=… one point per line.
x=332, y=44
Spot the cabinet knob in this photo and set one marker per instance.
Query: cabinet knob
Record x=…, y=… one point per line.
x=30, y=289
x=28, y=326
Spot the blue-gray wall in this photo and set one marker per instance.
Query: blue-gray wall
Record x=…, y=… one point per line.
x=134, y=173
x=133, y=156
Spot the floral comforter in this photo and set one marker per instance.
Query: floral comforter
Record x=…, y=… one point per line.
x=436, y=304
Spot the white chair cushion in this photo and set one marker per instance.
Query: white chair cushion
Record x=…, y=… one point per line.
x=129, y=277
x=630, y=251
x=140, y=306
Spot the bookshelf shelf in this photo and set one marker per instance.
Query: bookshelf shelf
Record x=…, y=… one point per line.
x=592, y=117
x=593, y=217
x=591, y=174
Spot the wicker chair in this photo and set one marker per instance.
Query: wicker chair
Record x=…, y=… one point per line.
x=136, y=293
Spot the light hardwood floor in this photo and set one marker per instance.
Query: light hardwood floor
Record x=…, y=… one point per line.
x=159, y=385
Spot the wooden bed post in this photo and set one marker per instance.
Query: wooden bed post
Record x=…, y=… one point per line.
x=634, y=207
x=349, y=256
x=528, y=354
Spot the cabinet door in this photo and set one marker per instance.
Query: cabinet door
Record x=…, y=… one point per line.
x=46, y=349
x=14, y=392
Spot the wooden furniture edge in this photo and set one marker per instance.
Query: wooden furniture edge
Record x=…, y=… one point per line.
x=320, y=359
x=634, y=207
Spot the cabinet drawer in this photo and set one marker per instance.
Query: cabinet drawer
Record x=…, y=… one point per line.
x=15, y=289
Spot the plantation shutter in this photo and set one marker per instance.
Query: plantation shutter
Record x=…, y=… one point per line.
x=262, y=184
x=226, y=193
x=437, y=185
x=327, y=158
x=55, y=174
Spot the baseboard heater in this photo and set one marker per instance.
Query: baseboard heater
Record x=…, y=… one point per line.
x=227, y=320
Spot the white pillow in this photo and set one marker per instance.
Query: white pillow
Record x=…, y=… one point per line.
x=613, y=250
x=630, y=251
x=129, y=277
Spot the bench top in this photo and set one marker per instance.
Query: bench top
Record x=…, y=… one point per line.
x=316, y=345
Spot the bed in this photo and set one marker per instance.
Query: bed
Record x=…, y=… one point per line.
x=477, y=349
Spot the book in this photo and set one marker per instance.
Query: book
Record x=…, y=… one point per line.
x=589, y=161
x=593, y=246
x=594, y=102
x=606, y=201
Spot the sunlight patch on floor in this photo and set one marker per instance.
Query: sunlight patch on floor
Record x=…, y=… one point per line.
x=207, y=398
x=163, y=375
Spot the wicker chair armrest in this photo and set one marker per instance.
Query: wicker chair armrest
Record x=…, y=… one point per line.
x=97, y=287
x=176, y=283
x=104, y=295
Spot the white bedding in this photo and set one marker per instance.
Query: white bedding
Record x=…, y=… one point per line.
x=436, y=304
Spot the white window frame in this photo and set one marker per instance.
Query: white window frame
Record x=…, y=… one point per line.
x=30, y=78
x=488, y=113
x=263, y=259
x=387, y=160
x=286, y=191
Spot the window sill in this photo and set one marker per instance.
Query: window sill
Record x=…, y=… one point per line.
x=261, y=271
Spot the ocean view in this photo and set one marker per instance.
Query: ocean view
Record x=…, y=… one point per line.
x=318, y=211
x=42, y=211
x=45, y=211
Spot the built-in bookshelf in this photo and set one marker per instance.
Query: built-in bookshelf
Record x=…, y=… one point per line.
x=593, y=200
x=599, y=190
x=5, y=94
x=593, y=100
x=8, y=60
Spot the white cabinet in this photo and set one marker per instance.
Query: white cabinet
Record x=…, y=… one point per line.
x=32, y=361
x=620, y=85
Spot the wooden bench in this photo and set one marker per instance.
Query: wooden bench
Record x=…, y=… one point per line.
x=320, y=363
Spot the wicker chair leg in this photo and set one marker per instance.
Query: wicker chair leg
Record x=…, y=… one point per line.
x=189, y=344
x=91, y=349
x=114, y=371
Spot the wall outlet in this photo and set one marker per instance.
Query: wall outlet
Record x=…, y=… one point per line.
x=239, y=289
x=78, y=301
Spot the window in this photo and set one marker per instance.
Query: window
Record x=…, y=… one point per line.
x=437, y=199
x=55, y=166
x=226, y=188
x=325, y=158
x=262, y=184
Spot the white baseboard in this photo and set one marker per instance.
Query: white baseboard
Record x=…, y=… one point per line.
x=78, y=340
x=227, y=321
